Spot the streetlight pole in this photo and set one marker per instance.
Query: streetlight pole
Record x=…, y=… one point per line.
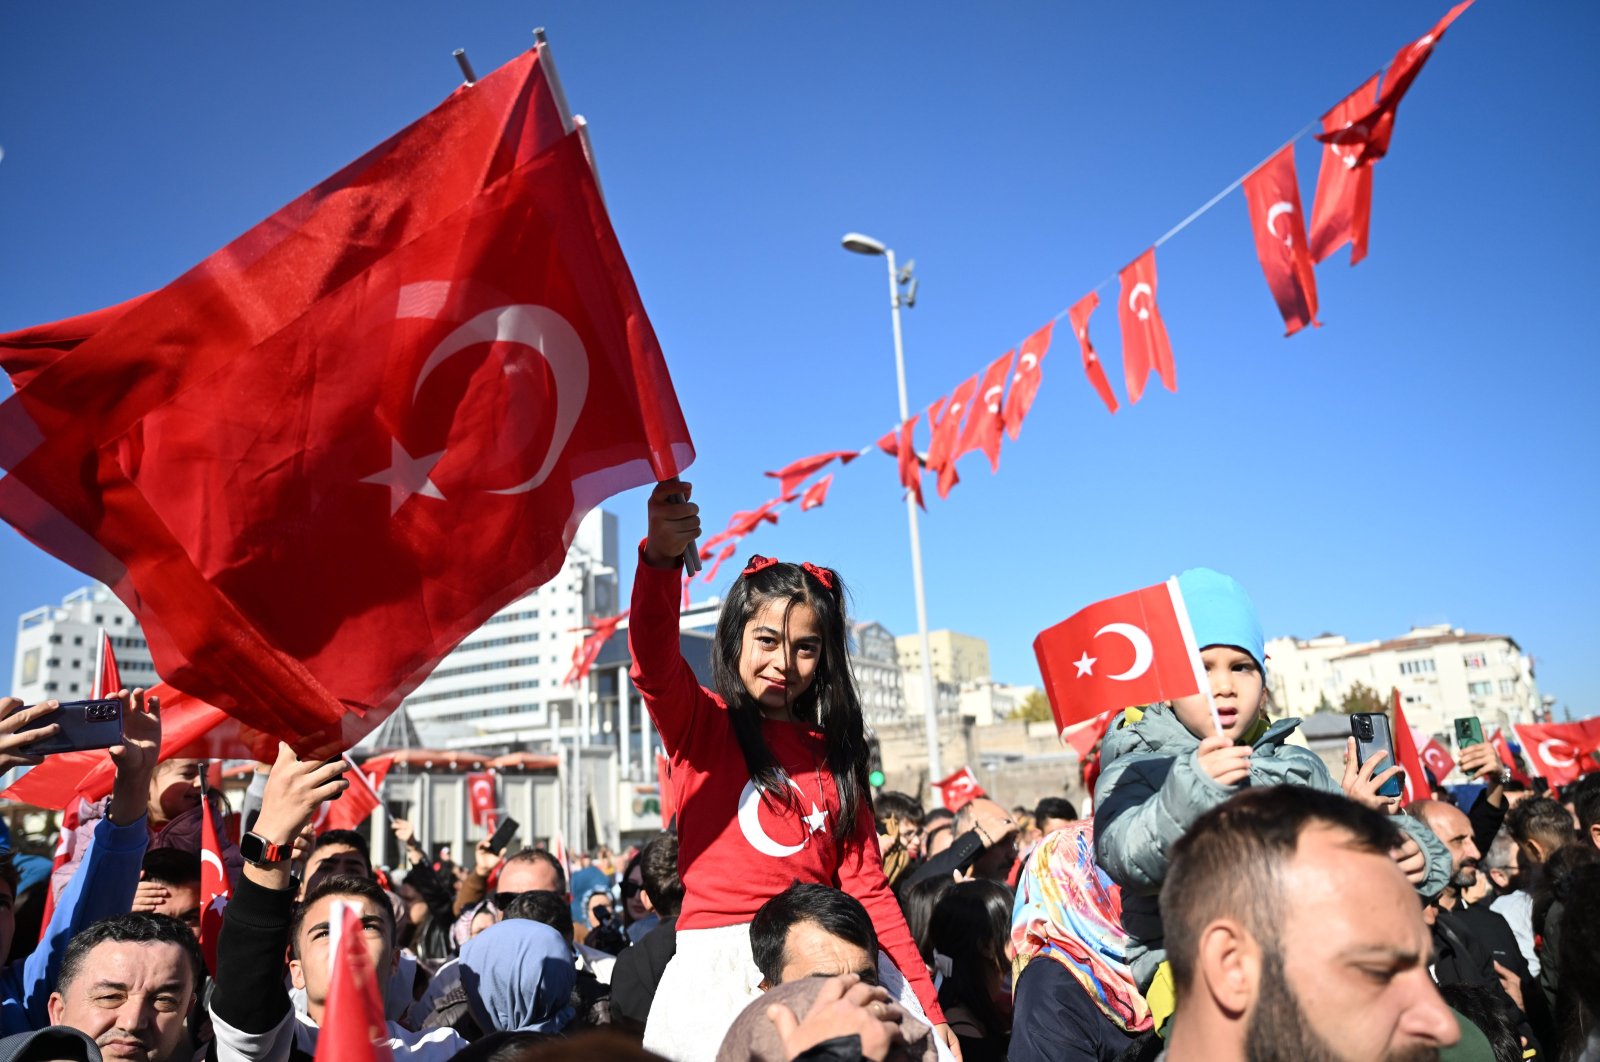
x=867, y=245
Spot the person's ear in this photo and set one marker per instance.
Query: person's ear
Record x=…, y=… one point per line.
x=1594, y=834
x=1229, y=965
x=297, y=974
x=56, y=1007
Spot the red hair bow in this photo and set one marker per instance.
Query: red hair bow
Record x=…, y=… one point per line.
x=758, y=563
x=820, y=574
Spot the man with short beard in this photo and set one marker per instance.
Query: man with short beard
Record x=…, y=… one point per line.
x=1293, y=934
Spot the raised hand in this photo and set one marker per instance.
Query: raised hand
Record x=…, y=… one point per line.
x=1411, y=860
x=14, y=740
x=1225, y=762
x=136, y=757
x=843, y=1007
x=1363, y=780
x=673, y=526
x=484, y=859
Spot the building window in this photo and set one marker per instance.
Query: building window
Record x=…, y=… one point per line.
x=100, y=620
x=1505, y=687
x=77, y=639
x=1417, y=667
x=30, y=667
x=55, y=639
x=72, y=688
x=1479, y=689
x=50, y=687
x=116, y=621
x=1475, y=660
x=54, y=661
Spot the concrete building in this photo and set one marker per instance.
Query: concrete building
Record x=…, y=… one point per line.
x=1442, y=673
x=58, y=645
x=875, y=661
x=986, y=702
x=957, y=658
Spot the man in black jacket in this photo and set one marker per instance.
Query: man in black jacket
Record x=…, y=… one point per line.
x=638, y=969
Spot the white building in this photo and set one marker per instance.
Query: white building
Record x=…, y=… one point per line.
x=875, y=661
x=985, y=701
x=502, y=681
x=1442, y=673
x=58, y=647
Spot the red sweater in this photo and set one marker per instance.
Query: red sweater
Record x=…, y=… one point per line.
x=736, y=851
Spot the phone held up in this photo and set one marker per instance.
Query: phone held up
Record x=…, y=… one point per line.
x=1372, y=734
x=503, y=834
x=84, y=725
x=1469, y=731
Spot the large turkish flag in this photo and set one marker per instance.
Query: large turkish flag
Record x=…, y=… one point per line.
x=1125, y=650
x=1560, y=752
x=317, y=461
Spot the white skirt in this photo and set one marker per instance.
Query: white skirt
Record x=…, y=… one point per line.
x=709, y=982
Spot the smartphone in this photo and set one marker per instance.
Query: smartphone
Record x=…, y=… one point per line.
x=1469, y=731
x=1372, y=734
x=84, y=725
x=502, y=835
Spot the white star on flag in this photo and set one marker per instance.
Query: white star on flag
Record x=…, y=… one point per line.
x=817, y=820
x=1085, y=664
x=407, y=475
x=219, y=902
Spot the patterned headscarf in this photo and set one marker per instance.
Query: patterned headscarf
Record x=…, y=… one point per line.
x=1069, y=910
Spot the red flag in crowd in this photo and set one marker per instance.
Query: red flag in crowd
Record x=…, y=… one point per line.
x=107, y=679
x=986, y=422
x=816, y=494
x=1503, y=748
x=1144, y=336
x=588, y=651
x=1272, y=195
x=481, y=800
x=942, y=450
x=1130, y=649
x=910, y=466
x=361, y=799
x=722, y=555
x=1435, y=757
x=1082, y=736
x=1559, y=753
x=1342, y=210
x=71, y=811
x=793, y=474
x=325, y=542
x=1025, y=382
x=214, y=887
x=959, y=789
x=1406, y=758
x=558, y=848
x=1078, y=317
x=353, y=1027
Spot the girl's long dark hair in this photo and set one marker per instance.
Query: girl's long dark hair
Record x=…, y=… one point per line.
x=971, y=924
x=830, y=703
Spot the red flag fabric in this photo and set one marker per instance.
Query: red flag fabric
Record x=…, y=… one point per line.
x=1130, y=649
x=588, y=651
x=1560, y=753
x=722, y=555
x=1406, y=757
x=1144, y=336
x=481, y=801
x=959, y=789
x=910, y=466
x=1342, y=210
x=107, y=678
x=1503, y=748
x=1025, y=382
x=70, y=817
x=946, y=433
x=793, y=474
x=1435, y=757
x=986, y=421
x=360, y=800
x=353, y=1027
x=1082, y=736
x=816, y=494
x=214, y=887
x=301, y=534
x=744, y=522
x=1272, y=195
x=1078, y=317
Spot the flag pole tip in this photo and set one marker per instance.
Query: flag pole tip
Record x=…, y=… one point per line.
x=467, y=73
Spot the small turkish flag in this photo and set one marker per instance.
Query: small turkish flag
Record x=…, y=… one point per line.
x=1560, y=753
x=1144, y=336
x=214, y=886
x=1406, y=758
x=1435, y=757
x=1130, y=649
x=1342, y=210
x=1083, y=736
x=816, y=494
x=1078, y=316
x=906, y=456
x=959, y=789
x=986, y=422
x=793, y=474
x=360, y=800
x=942, y=449
x=107, y=679
x=1272, y=195
x=586, y=652
x=1025, y=383
x=353, y=1027
x=481, y=798
x=1503, y=748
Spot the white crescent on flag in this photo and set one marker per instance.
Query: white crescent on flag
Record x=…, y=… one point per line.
x=1143, y=652
x=750, y=823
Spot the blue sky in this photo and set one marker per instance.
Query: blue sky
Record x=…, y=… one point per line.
x=1419, y=459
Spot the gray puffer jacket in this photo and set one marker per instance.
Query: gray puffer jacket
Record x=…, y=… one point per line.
x=1151, y=790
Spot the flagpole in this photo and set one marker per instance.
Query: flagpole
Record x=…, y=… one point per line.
x=1195, y=662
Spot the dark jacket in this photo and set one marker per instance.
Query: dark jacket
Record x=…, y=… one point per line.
x=432, y=941
x=636, y=974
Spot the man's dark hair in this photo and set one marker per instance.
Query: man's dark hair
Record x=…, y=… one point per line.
x=1054, y=808
x=1585, y=795
x=658, y=866
x=131, y=929
x=1230, y=862
x=1491, y=1012
x=890, y=804
x=340, y=885
x=8, y=871
x=1541, y=820
x=172, y=866
x=542, y=905
x=836, y=913
x=934, y=816
x=344, y=839
x=539, y=855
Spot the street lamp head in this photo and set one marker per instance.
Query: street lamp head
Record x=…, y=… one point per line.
x=862, y=244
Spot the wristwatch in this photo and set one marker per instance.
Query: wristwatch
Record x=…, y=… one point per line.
x=260, y=851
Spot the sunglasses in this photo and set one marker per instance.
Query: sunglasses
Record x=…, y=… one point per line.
x=631, y=889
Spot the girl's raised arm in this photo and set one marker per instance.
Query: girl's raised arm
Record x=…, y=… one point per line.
x=671, y=692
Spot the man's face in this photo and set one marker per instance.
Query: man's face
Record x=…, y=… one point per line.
x=309, y=970
x=527, y=876
x=1451, y=825
x=132, y=999
x=336, y=859
x=1509, y=877
x=183, y=903
x=1352, y=943
x=811, y=951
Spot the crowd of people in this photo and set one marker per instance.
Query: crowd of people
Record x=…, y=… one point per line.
x=1227, y=898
